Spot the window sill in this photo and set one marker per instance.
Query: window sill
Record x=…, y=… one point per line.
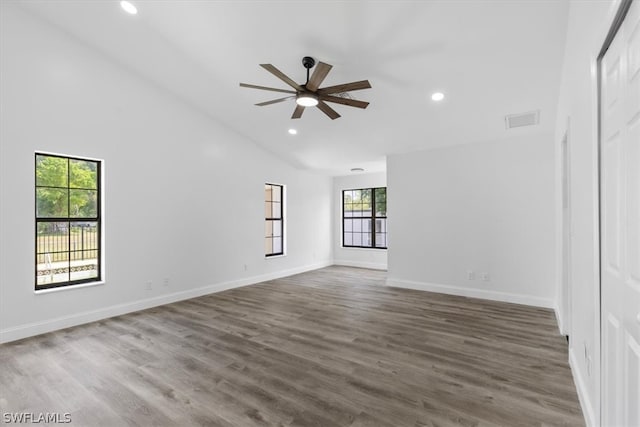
x=275, y=256
x=353, y=248
x=68, y=288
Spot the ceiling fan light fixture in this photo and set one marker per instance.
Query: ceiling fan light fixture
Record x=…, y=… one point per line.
x=307, y=100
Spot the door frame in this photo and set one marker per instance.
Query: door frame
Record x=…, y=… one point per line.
x=566, y=234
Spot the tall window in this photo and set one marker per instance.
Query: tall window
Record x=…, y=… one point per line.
x=273, y=217
x=67, y=222
x=364, y=218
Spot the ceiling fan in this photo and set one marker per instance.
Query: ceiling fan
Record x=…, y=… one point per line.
x=311, y=94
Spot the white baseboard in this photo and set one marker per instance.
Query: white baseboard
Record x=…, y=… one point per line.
x=583, y=396
x=474, y=293
x=360, y=264
x=36, y=328
x=561, y=328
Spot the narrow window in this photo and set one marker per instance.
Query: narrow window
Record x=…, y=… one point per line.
x=274, y=219
x=68, y=223
x=364, y=218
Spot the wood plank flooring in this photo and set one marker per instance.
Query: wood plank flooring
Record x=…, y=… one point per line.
x=332, y=347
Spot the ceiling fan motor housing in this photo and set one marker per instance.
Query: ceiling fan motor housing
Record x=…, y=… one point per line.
x=308, y=62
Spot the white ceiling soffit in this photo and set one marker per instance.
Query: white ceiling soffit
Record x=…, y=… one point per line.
x=487, y=57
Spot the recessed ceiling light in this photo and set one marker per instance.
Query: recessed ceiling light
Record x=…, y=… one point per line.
x=357, y=170
x=437, y=96
x=128, y=7
x=293, y=131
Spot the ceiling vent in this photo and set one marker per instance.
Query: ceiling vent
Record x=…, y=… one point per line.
x=524, y=119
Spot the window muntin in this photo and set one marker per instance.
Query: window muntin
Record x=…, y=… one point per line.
x=67, y=221
x=364, y=218
x=274, y=219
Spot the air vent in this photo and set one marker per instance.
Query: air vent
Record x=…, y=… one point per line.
x=524, y=119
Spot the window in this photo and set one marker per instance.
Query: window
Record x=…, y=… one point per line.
x=67, y=222
x=364, y=218
x=273, y=217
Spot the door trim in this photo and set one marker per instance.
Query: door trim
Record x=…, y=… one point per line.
x=564, y=317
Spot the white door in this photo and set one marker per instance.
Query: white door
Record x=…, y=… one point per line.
x=620, y=225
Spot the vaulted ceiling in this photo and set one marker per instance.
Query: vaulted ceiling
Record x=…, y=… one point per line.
x=489, y=57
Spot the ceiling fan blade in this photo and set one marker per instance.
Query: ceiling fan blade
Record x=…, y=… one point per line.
x=318, y=76
x=274, y=101
x=345, y=101
x=333, y=114
x=346, y=87
x=267, y=88
x=279, y=74
x=297, y=113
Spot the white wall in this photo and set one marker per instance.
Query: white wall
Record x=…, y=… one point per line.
x=485, y=207
x=588, y=25
x=183, y=195
x=355, y=257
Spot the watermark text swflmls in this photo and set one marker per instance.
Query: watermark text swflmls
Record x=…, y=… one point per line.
x=36, y=417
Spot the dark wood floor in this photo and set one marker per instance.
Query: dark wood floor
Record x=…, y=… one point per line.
x=333, y=347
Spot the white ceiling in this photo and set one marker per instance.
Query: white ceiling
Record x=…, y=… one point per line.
x=490, y=58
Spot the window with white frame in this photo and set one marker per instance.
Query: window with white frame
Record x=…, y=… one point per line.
x=364, y=218
x=274, y=219
x=67, y=221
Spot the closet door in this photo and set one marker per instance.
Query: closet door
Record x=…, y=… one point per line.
x=620, y=224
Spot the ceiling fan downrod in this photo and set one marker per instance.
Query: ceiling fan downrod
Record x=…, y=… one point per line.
x=308, y=63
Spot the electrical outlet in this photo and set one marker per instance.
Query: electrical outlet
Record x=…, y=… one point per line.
x=246, y=267
x=471, y=275
x=165, y=282
x=149, y=285
x=486, y=277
